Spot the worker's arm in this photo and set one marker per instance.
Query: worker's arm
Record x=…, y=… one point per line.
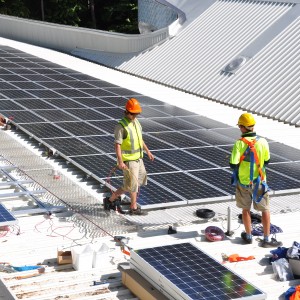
x=121, y=164
x=150, y=155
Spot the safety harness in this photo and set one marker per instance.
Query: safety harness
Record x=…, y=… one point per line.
x=255, y=184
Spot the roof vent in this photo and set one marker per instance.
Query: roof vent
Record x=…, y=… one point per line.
x=235, y=64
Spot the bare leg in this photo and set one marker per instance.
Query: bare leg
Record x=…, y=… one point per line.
x=116, y=194
x=247, y=220
x=133, y=197
x=266, y=222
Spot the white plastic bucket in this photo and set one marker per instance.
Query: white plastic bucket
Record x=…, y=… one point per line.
x=82, y=257
x=101, y=257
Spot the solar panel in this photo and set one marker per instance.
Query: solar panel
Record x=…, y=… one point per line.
x=64, y=103
x=11, y=77
x=9, y=105
x=183, y=271
x=155, y=144
x=93, y=102
x=115, y=100
x=113, y=112
x=177, y=139
x=44, y=130
x=37, y=77
x=152, y=126
x=86, y=114
x=16, y=94
x=150, y=112
x=107, y=125
x=212, y=154
x=145, y=100
x=176, y=124
x=22, y=116
x=175, y=111
x=218, y=178
x=52, y=84
x=158, y=166
x=285, y=151
x=43, y=94
x=205, y=122
x=6, y=218
x=79, y=128
x=99, y=83
x=27, y=85
x=104, y=142
x=183, y=160
x=6, y=86
x=187, y=187
x=34, y=104
x=56, y=115
x=122, y=91
x=71, y=92
x=289, y=169
x=97, y=92
x=99, y=165
x=155, y=196
x=71, y=146
x=279, y=182
x=211, y=137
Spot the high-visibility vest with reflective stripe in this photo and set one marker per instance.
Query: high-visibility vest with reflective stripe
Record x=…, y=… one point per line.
x=132, y=146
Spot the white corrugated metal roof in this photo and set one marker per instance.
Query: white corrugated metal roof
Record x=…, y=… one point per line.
x=268, y=83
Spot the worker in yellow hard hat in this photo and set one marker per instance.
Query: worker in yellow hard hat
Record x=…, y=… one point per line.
x=129, y=148
x=248, y=158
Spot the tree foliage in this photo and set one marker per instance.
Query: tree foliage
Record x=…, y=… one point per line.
x=110, y=15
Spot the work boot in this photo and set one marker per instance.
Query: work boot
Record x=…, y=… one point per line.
x=117, y=206
x=137, y=212
x=108, y=205
x=245, y=238
x=271, y=244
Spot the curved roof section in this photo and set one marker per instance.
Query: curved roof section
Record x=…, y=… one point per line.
x=194, y=60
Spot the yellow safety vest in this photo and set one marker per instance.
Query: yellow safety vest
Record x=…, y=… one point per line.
x=132, y=145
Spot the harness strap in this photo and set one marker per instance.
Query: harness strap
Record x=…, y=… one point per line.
x=259, y=182
x=253, y=158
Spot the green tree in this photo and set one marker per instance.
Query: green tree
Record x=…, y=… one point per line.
x=14, y=8
x=117, y=15
x=109, y=15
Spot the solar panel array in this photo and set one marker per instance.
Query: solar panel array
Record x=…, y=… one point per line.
x=183, y=271
x=76, y=114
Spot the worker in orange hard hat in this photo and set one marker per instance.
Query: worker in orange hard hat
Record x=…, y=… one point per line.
x=129, y=147
x=249, y=156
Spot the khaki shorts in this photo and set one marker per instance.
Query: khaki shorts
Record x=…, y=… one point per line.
x=134, y=176
x=243, y=198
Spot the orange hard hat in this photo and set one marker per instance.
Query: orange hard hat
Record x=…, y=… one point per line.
x=133, y=106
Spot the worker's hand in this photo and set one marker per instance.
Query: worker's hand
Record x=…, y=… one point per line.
x=150, y=155
x=122, y=166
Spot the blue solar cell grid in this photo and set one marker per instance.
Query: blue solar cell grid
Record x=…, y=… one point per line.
x=6, y=218
x=183, y=271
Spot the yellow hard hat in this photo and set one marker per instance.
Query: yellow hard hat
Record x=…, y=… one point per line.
x=133, y=106
x=246, y=120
